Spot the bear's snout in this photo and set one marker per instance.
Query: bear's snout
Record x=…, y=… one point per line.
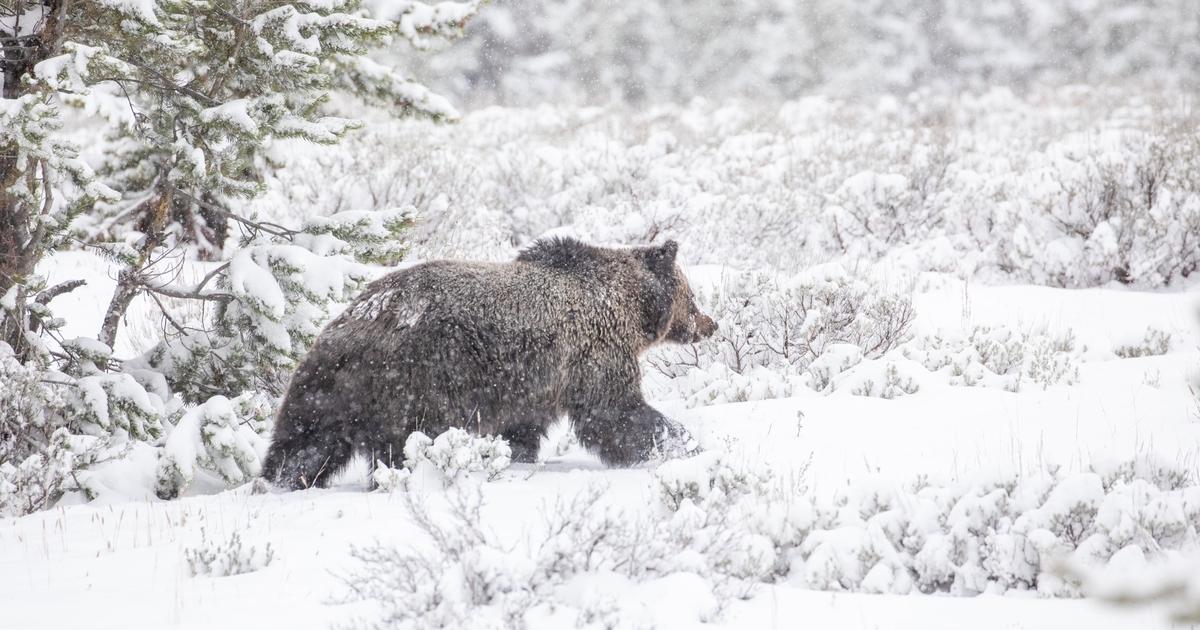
x=705, y=327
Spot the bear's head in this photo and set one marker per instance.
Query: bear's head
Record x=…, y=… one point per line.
x=673, y=315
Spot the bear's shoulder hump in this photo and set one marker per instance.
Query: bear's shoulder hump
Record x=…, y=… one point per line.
x=561, y=253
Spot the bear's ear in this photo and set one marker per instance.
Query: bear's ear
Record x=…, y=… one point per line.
x=669, y=249
x=661, y=259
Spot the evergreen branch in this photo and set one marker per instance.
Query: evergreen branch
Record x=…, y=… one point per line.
x=194, y=293
x=212, y=274
x=166, y=314
x=270, y=228
x=171, y=85
x=43, y=298
x=49, y=294
x=188, y=294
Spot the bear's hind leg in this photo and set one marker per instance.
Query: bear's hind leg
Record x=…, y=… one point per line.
x=386, y=448
x=525, y=440
x=298, y=464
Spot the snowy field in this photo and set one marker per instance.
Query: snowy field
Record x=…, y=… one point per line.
x=127, y=560
x=950, y=252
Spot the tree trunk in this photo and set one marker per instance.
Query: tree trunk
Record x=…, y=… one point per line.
x=20, y=246
x=129, y=280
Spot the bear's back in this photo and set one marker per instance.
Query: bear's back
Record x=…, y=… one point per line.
x=509, y=302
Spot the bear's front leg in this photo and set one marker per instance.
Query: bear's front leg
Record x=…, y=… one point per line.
x=627, y=434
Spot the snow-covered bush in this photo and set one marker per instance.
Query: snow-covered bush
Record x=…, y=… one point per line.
x=455, y=453
x=116, y=404
x=1155, y=342
x=272, y=296
x=450, y=458
x=1172, y=584
x=219, y=435
x=997, y=357
x=532, y=51
x=459, y=574
x=774, y=330
x=777, y=339
x=743, y=520
x=696, y=478
x=466, y=579
x=887, y=380
x=987, y=185
x=1129, y=212
x=389, y=479
x=1048, y=364
x=33, y=424
x=1011, y=533
x=56, y=425
x=226, y=556
x=870, y=213
x=732, y=526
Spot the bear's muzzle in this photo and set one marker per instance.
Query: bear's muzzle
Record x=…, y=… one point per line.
x=705, y=327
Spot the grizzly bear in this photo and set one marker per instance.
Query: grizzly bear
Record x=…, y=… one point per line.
x=497, y=348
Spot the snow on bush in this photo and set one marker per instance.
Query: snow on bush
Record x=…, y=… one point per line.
x=827, y=331
x=56, y=426
x=389, y=479
x=870, y=213
x=452, y=457
x=998, y=357
x=1070, y=187
x=887, y=380
x=459, y=574
x=1011, y=533
x=1154, y=343
x=1172, y=583
x=529, y=51
x=33, y=427
x=774, y=332
x=115, y=403
x=726, y=527
x=220, y=435
x=273, y=296
x=459, y=577
x=1007, y=534
x=225, y=556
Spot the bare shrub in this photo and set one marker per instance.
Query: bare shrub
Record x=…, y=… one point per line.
x=459, y=571
x=1154, y=343
x=773, y=322
x=784, y=325
x=227, y=556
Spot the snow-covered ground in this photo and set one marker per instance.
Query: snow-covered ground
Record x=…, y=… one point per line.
x=128, y=561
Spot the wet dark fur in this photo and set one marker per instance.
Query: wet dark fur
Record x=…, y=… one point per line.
x=497, y=348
